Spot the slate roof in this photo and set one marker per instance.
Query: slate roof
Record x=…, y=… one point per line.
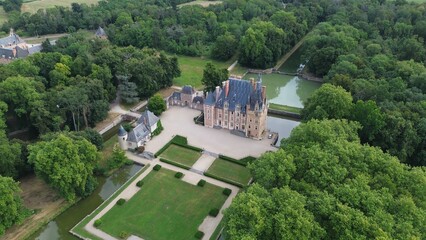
x=35, y=49
x=7, y=53
x=176, y=95
x=241, y=93
x=188, y=90
x=100, y=32
x=20, y=52
x=148, y=119
x=121, y=131
x=138, y=133
x=10, y=40
x=198, y=99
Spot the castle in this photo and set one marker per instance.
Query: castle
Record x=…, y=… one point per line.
x=237, y=105
x=12, y=47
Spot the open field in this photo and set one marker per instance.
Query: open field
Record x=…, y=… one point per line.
x=192, y=70
x=181, y=155
x=229, y=170
x=164, y=208
x=201, y=3
x=34, y=6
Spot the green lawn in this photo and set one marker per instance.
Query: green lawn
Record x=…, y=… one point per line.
x=229, y=170
x=192, y=70
x=34, y=6
x=165, y=208
x=181, y=155
x=284, y=108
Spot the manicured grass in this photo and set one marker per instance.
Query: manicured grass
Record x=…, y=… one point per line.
x=229, y=170
x=181, y=155
x=284, y=108
x=79, y=228
x=165, y=208
x=192, y=70
x=34, y=6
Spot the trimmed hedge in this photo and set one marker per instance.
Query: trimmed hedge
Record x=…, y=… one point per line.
x=233, y=160
x=139, y=183
x=224, y=180
x=179, y=141
x=214, y=212
x=189, y=147
x=157, y=167
x=121, y=201
x=175, y=163
x=179, y=175
x=248, y=159
x=201, y=183
x=227, y=191
x=97, y=223
x=199, y=235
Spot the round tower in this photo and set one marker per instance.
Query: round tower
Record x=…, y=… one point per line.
x=122, y=137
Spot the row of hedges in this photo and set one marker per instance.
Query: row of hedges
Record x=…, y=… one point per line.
x=175, y=163
x=233, y=160
x=180, y=141
x=224, y=180
x=189, y=147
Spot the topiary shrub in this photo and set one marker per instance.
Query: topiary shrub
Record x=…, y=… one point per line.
x=97, y=223
x=124, y=235
x=157, y=167
x=121, y=201
x=214, y=212
x=227, y=191
x=179, y=175
x=139, y=183
x=201, y=183
x=199, y=235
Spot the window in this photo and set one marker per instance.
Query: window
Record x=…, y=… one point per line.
x=226, y=123
x=242, y=126
x=238, y=114
x=220, y=115
x=255, y=127
x=249, y=127
x=232, y=125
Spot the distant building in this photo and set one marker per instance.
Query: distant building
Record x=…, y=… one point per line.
x=12, y=47
x=238, y=105
x=100, y=33
x=140, y=134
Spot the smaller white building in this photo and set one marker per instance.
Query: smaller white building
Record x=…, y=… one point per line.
x=140, y=134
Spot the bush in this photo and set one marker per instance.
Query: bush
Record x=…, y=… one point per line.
x=139, y=183
x=199, y=235
x=158, y=130
x=179, y=175
x=233, y=160
x=121, y=201
x=97, y=223
x=178, y=139
x=127, y=126
x=157, y=167
x=227, y=191
x=124, y=235
x=224, y=180
x=175, y=163
x=201, y=183
x=214, y=212
x=140, y=149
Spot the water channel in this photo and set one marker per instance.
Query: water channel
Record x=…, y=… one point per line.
x=59, y=227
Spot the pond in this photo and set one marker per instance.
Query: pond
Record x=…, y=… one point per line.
x=280, y=125
x=59, y=227
x=286, y=90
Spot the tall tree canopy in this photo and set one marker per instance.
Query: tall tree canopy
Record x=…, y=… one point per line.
x=324, y=184
x=11, y=209
x=213, y=77
x=66, y=163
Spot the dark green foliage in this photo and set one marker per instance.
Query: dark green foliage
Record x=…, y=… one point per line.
x=227, y=191
x=225, y=47
x=127, y=126
x=93, y=137
x=128, y=90
x=214, y=212
x=139, y=183
x=175, y=163
x=157, y=167
x=121, y=201
x=124, y=235
x=213, y=77
x=12, y=5
x=201, y=183
x=118, y=158
x=157, y=105
x=199, y=235
x=159, y=129
x=97, y=223
x=180, y=141
x=11, y=207
x=179, y=175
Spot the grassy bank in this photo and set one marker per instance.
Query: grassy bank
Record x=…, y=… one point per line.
x=285, y=108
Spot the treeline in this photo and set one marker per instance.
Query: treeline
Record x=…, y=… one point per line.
x=376, y=51
x=261, y=31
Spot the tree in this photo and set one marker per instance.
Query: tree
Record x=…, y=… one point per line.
x=328, y=102
x=225, y=47
x=213, y=77
x=93, y=137
x=46, y=46
x=66, y=164
x=12, y=5
x=157, y=105
x=11, y=209
x=371, y=119
x=127, y=90
x=118, y=158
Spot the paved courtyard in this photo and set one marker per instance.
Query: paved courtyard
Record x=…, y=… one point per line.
x=179, y=121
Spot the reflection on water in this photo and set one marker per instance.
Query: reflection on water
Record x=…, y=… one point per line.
x=286, y=90
x=281, y=125
x=59, y=228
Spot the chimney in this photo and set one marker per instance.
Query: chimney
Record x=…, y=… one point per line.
x=253, y=84
x=217, y=93
x=11, y=32
x=226, y=88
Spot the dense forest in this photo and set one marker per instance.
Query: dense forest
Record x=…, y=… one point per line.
x=351, y=170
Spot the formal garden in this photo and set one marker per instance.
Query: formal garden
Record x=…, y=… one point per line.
x=181, y=155
x=236, y=172
x=165, y=208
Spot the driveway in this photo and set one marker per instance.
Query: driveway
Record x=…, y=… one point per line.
x=179, y=121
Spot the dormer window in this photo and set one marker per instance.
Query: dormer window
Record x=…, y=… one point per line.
x=226, y=105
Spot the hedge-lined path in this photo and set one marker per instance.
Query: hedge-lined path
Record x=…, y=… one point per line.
x=209, y=224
